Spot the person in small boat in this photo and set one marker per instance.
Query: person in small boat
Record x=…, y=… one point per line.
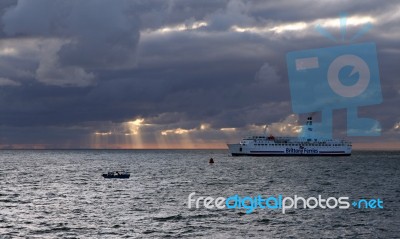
x=211, y=160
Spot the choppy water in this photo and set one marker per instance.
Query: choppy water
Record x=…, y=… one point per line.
x=61, y=194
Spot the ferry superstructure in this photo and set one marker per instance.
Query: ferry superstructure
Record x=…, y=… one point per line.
x=291, y=146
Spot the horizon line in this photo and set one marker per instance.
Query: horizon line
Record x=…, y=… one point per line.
x=39, y=149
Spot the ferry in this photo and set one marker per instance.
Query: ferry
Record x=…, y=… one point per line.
x=291, y=146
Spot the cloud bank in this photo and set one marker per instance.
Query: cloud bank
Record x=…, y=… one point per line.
x=77, y=74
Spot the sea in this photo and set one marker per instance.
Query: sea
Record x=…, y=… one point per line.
x=62, y=194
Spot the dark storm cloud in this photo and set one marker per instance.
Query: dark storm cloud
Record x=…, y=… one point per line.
x=156, y=13
x=306, y=10
x=213, y=78
x=81, y=63
x=75, y=37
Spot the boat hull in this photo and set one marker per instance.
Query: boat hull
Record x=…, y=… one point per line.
x=115, y=176
x=285, y=155
x=240, y=150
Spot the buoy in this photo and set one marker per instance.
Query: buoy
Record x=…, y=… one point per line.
x=211, y=160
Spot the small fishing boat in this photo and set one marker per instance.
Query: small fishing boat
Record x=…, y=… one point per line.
x=116, y=174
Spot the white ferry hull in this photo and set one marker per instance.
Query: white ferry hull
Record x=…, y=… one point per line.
x=308, y=144
x=240, y=150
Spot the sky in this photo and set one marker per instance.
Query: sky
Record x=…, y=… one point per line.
x=175, y=73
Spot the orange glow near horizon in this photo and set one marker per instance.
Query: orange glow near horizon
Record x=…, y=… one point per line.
x=228, y=129
x=103, y=133
x=188, y=144
x=222, y=145
x=377, y=146
x=137, y=134
x=185, y=144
